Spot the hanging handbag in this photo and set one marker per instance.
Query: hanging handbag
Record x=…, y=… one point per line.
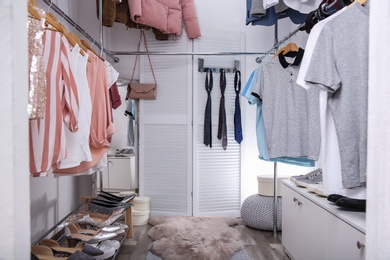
x=142, y=90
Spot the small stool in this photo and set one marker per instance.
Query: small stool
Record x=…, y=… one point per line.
x=257, y=211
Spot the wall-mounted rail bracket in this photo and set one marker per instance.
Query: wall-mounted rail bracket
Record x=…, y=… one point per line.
x=201, y=67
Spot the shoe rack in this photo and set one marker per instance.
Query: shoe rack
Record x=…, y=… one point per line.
x=59, y=229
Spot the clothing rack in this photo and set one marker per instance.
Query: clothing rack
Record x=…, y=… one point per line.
x=81, y=30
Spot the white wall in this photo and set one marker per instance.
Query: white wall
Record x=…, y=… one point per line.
x=14, y=186
x=378, y=163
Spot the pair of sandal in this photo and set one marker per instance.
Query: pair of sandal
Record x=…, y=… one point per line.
x=47, y=247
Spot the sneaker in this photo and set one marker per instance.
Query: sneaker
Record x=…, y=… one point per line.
x=315, y=172
x=317, y=188
x=313, y=178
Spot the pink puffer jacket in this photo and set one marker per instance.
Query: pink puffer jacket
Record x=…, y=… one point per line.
x=166, y=15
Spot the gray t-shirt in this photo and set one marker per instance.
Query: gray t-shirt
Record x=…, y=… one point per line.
x=290, y=112
x=340, y=64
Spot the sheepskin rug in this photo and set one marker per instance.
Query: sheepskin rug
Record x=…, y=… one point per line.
x=201, y=238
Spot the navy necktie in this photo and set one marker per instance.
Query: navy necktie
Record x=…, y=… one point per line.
x=222, y=132
x=207, y=140
x=237, y=111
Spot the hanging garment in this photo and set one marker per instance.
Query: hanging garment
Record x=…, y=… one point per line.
x=252, y=84
x=115, y=97
x=47, y=138
x=36, y=79
x=348, y=87
x=237, y=111
x=273, y=14
x=329, y=160
x=102, y=127
x=291, y=127
x=207, y=132
x=222, y=130
x=73, y=148
x=78, y=143
x=130, y=126
x=166, y=16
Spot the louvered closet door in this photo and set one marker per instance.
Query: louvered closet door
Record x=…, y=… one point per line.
x=174, y=162
x=217, y=178
x=165, y=132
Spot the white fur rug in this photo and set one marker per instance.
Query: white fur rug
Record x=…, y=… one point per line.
x=201, y=238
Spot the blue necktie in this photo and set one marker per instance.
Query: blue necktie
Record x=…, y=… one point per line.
x=222, y=131
x=237, y=111
x=207, y=140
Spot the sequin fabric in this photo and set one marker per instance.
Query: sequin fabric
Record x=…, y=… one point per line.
x=36, y=80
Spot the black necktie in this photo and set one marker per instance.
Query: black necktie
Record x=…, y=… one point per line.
x=207, y=140
x=237, y=111
x=222, y=132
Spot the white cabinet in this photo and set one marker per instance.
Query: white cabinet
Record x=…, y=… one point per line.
x=301, y=224
x=120, y=174
x=314, y=228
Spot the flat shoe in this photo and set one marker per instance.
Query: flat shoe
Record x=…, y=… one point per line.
x=334, y=197
x=44, y=253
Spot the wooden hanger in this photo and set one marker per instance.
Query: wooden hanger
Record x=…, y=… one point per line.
x=52, y=20
x=289, y=47
x=76, y=39
x=361, y=2
x=85, y=43
x=33, y=10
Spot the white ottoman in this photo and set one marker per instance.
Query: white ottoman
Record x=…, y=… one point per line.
x=257, y=211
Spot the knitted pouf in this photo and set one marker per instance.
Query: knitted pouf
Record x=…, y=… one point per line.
x=257, y=211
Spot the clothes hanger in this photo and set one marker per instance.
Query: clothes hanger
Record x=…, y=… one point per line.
x=33, y=10
x=71, y=39
x=78, y=41
x=361, y=2
x=52, y=20
x=291, y=47
x=85, y=43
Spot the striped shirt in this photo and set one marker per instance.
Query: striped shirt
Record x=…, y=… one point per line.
x=47, y=138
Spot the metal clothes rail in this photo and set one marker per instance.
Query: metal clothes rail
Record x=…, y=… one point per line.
x=278, y=43
x=78, y=28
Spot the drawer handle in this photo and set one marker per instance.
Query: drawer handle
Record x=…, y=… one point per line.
x=360, y=245
x=299, y=203
x=295, y=199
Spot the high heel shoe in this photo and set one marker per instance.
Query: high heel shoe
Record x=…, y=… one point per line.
x=73, y=232
x=94, y=218
x=44, y=253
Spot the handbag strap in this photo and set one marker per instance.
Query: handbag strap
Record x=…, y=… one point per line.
x=142, y=34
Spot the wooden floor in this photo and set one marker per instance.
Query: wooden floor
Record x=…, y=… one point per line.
x=259, y=245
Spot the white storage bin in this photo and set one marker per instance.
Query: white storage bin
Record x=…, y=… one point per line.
x=141, y=203
x=266, y=184
x=140, y=217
